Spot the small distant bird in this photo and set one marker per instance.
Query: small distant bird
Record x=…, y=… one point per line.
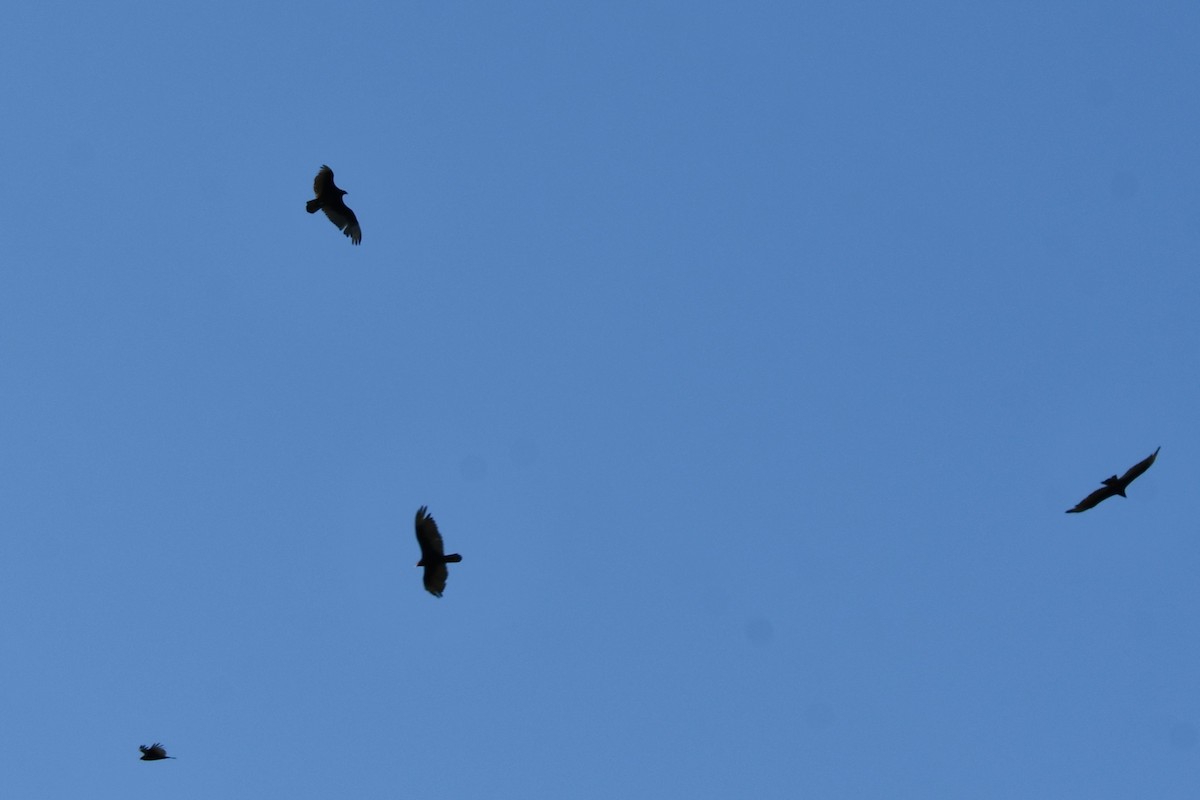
x=1114, y=485
x=329, y=199
x=433, y=557
x=154, y=752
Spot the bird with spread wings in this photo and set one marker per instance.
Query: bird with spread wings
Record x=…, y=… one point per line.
x=329, y=199
x=155, y=752
x=1114, y=485
x=433, y=556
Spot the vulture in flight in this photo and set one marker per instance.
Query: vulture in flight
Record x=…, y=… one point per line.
x=1114, y=485
x=433, y=556
x=329, y=199
x=154, y=752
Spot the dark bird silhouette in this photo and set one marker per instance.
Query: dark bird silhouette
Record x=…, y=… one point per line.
x=433, y=557
x=154, y=752
x=1114, y=485
x=329, y=199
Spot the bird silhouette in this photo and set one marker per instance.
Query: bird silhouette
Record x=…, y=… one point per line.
x=1114, y=485
x=329, y=199
x=433, y=557
x=154, y=752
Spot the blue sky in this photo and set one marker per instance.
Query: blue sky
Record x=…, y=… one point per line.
x=749, y=354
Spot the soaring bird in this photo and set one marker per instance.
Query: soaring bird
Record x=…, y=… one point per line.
x=1114, y=485
x=433, y=557
x=329, y=199
x=154, y=752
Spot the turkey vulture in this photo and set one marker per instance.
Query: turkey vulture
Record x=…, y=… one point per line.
x=329, y=199
x=154, y=752
x=433, y=557
x=1115, y=485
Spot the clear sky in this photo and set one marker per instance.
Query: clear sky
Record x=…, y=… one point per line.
x=750, y=354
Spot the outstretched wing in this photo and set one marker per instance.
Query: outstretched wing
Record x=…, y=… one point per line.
x=154, y=751
x=340, y=214
x=1138, y=468
x=324, y=181
x=435, y=578
x=1103, y=493
x=428, y=536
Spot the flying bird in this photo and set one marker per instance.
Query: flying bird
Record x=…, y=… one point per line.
x=154, y=752
x=329, y=199
x=433, y=557
x=1114, y=485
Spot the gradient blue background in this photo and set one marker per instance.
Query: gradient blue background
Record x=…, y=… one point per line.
x=749, y=353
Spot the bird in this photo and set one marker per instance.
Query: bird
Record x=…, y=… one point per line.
x=154, y=752
x=433, y=557
x=329, y=199
x=1114, y=485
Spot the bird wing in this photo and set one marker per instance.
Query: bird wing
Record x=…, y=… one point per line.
x=341, y=215
x=429, y=538
x=324, y=180
x=1103, y=493
x=1138, y=468
x=435, y=577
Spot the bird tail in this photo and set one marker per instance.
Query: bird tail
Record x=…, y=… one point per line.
x=313, y=206
x=453, y=558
